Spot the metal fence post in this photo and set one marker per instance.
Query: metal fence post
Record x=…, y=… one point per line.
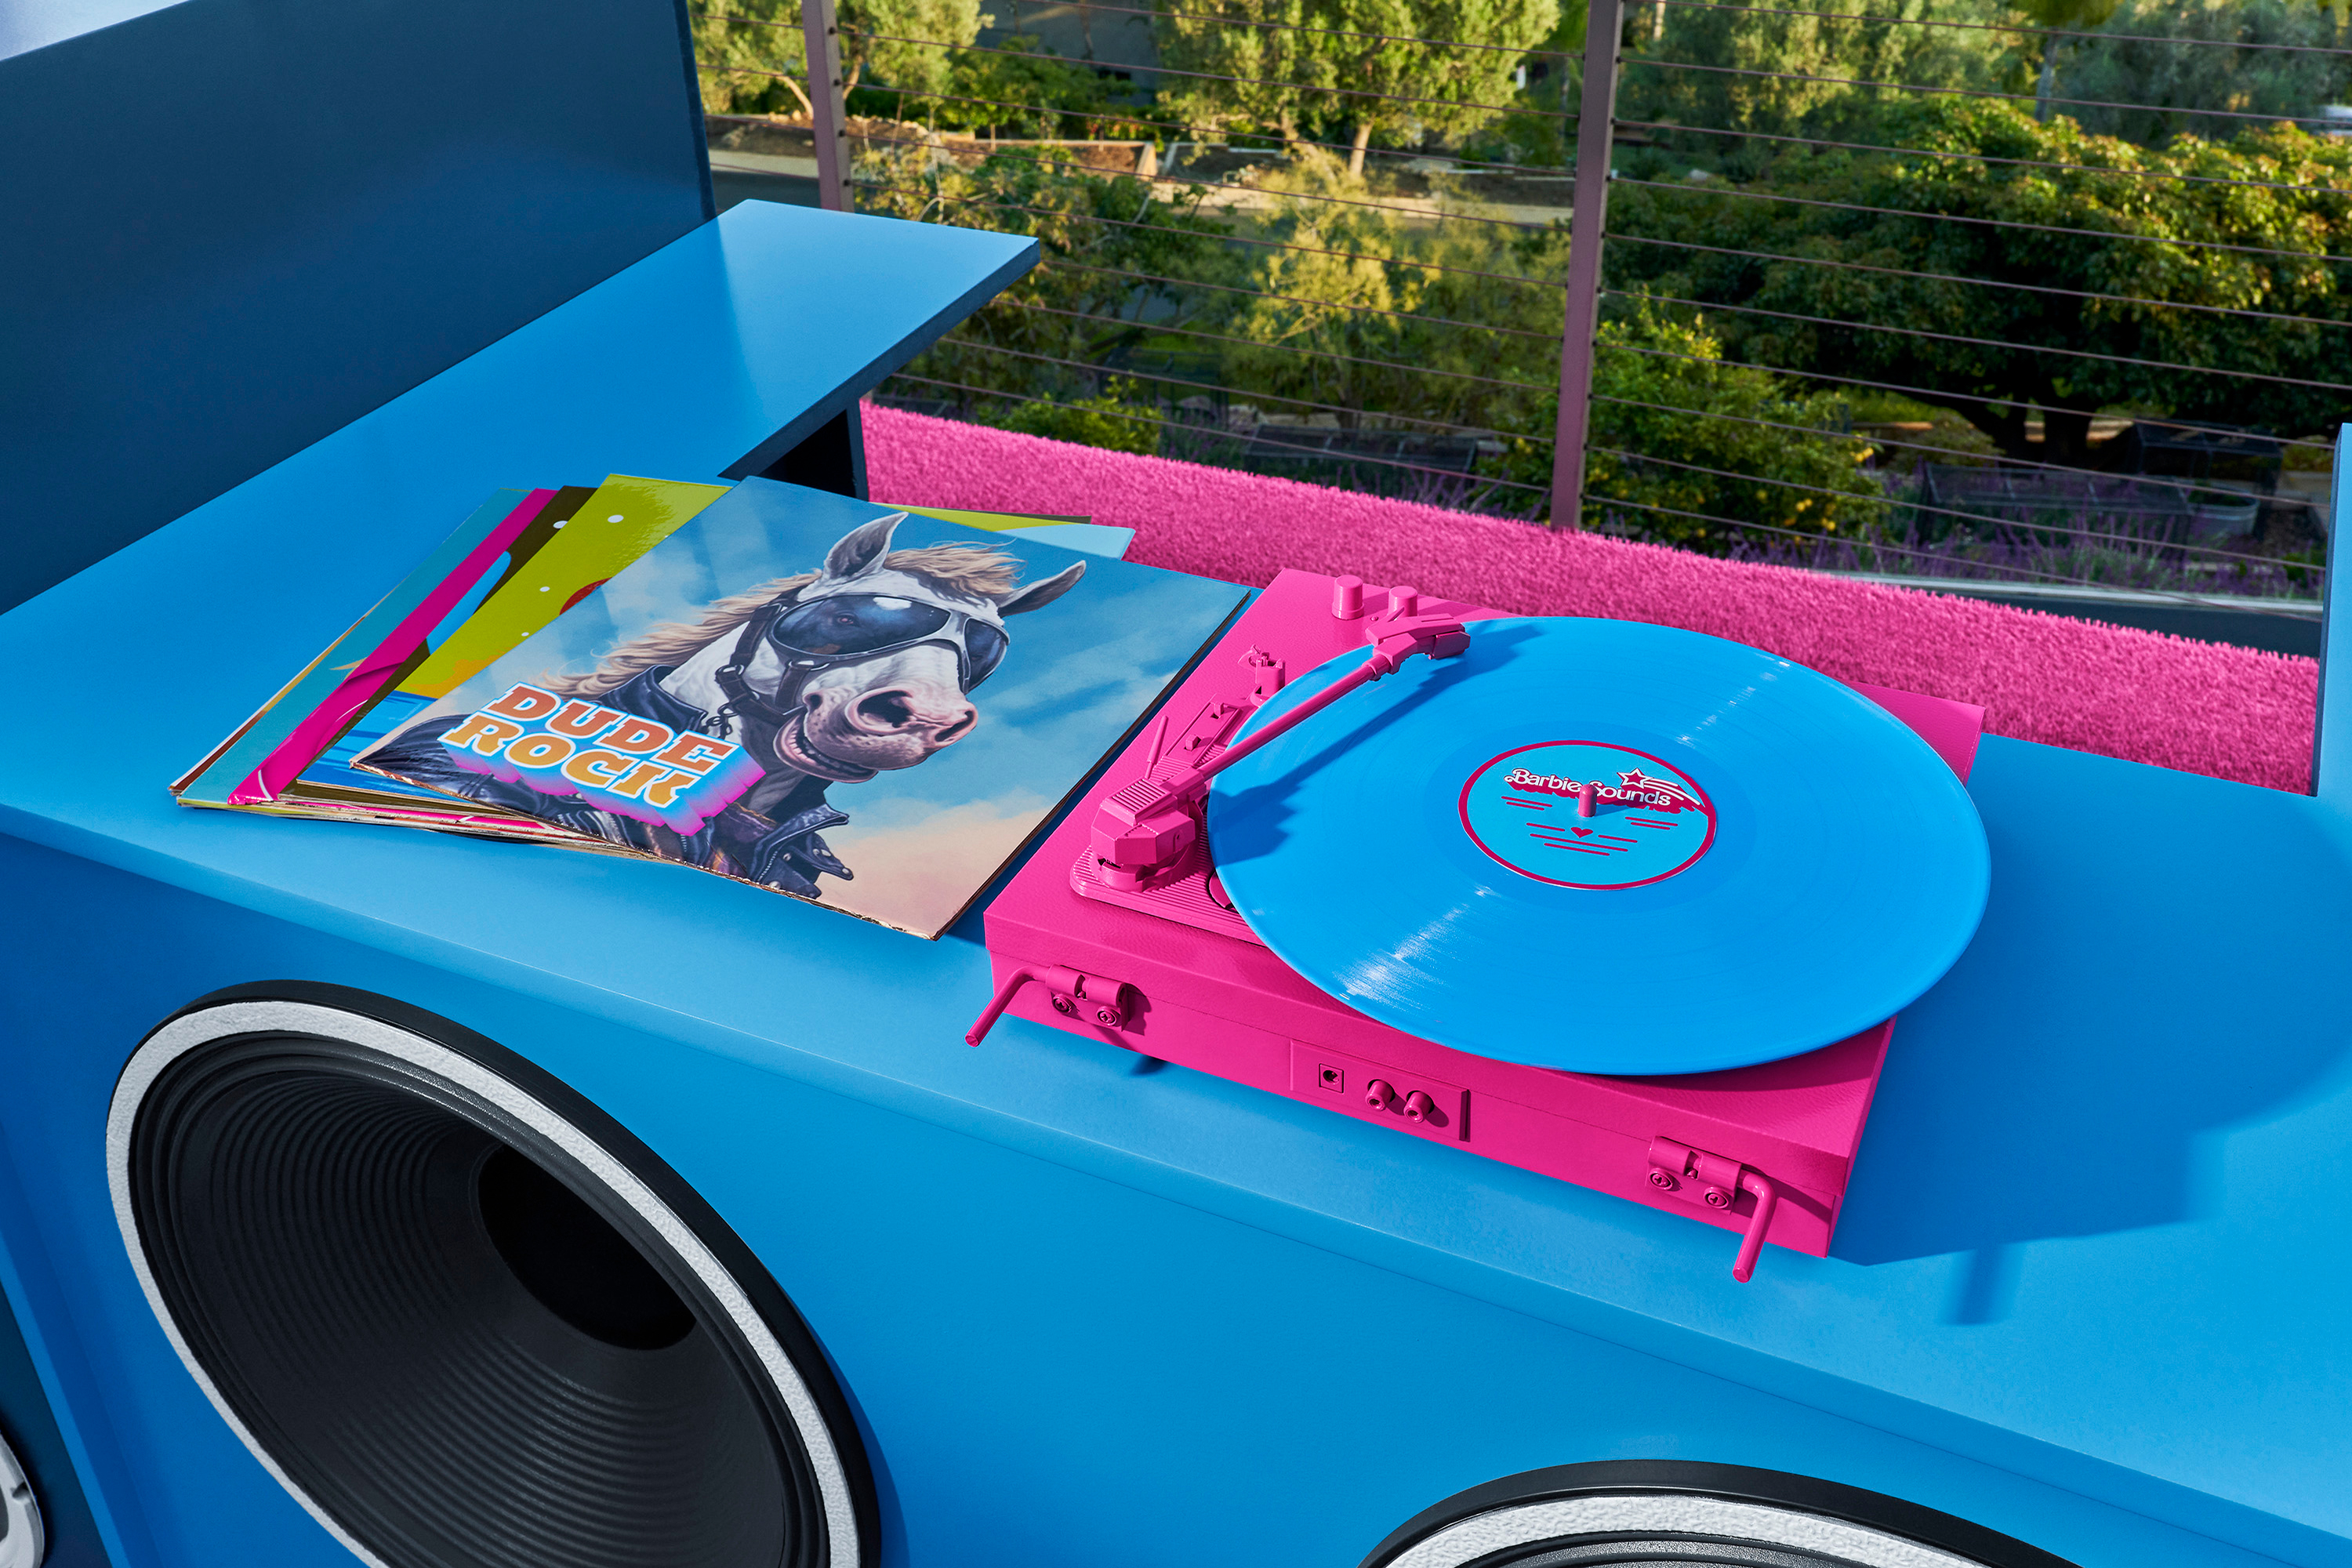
x=821, y=32
x=1596, y=113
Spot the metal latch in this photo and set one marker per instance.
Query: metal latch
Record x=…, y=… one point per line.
x=1712, y=1180
x=1087, y=998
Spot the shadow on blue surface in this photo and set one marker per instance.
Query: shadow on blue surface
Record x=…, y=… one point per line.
x=2058, y=1080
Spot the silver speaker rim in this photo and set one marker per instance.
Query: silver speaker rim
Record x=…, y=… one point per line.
x=1668, y=1514
x=24, y=1544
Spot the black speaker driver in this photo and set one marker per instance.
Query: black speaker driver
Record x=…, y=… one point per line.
x=464, y=1318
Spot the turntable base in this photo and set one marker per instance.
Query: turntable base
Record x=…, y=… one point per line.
x=1170, y=972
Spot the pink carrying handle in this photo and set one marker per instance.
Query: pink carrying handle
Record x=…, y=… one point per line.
x=1767, y=1198
x=997, y=1003
x=1069, y=982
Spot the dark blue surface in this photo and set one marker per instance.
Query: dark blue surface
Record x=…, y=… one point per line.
x=32, y=1436
x=1825, y=813
x=2089, y=1290
x=234, y=225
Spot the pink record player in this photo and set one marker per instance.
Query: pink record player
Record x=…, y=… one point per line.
x=1117, y=929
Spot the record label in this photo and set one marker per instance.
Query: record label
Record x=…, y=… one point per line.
x=1586, y=813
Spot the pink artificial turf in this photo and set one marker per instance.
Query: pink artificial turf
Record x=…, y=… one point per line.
x=2229, y=712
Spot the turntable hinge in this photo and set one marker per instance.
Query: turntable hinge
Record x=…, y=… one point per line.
x=1085, y=998
x=1716, y=1182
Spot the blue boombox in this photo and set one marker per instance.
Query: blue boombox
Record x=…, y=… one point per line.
x=439, y=1202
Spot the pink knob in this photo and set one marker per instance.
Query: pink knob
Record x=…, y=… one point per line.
x=1347, y=598
x=1404, y=601
x=1380, y=1094
x=1417, y=1105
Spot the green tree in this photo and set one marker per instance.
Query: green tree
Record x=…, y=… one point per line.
x=2117, y=225
x=1799, y=44
x=1416, y=326
x=1771, y=457
x=874, y=52
x=2060, y=16
x=2174, y=80
x=1116, y=420
x=1334, y=65
x=753, y=59
x=1044, y=334
x=1027, y=91
x=750, y=55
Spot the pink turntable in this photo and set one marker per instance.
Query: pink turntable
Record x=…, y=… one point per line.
x=1118, y=929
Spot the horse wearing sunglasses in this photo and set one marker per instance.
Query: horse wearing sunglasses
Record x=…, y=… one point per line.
x=866, y=665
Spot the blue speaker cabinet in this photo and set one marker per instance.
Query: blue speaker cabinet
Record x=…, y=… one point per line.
x=431, y=1203
x=437, y=1203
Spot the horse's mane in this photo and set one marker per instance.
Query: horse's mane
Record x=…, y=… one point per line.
x=972, y=570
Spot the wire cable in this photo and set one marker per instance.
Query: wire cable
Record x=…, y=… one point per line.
x=1926, y=581
x=1475, y=481
x=1993, y=28
x=1303, y=27
x=1477, y=432
x=1297, y=86
x=1240, y=239
x=1196, y=183
x=1984, y=158
x=1712, y=189
x=2185, y=484
x=1155, y=327
x=1551, y=338
x=1958, y=91
x=1978, y=282
x=1931, y=395
x=2088, y=501
x=1112, y=117
x=1991, y=342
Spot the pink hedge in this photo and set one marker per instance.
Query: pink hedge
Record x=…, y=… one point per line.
x=2226, y=711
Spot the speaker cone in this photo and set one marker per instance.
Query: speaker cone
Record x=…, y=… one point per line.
x=460, y=1314
x=1677, y=1514
x=22, y=1543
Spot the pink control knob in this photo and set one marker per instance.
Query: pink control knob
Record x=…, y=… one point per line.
x=1417, y=1105
x=1380, y=1094
x=1404, y=601
x=1347, y=598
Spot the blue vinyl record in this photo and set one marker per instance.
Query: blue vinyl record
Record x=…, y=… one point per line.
x=1606, y=848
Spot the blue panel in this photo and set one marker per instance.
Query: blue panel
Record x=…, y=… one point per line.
x=1052, y=1370
x=236, y=225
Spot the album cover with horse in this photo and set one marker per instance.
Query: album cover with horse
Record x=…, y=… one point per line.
x=855, y=705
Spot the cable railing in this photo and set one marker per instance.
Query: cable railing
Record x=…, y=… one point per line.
x=1299, y=86
x=1209, y=436
x=2010, y=27
x=1826, y=144
x=1803, y=309
x=2009, y=283
x=1911, y=390
x=1950, y=91
x=1928, y=217
x=1256, y=347
x=1924, y=334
